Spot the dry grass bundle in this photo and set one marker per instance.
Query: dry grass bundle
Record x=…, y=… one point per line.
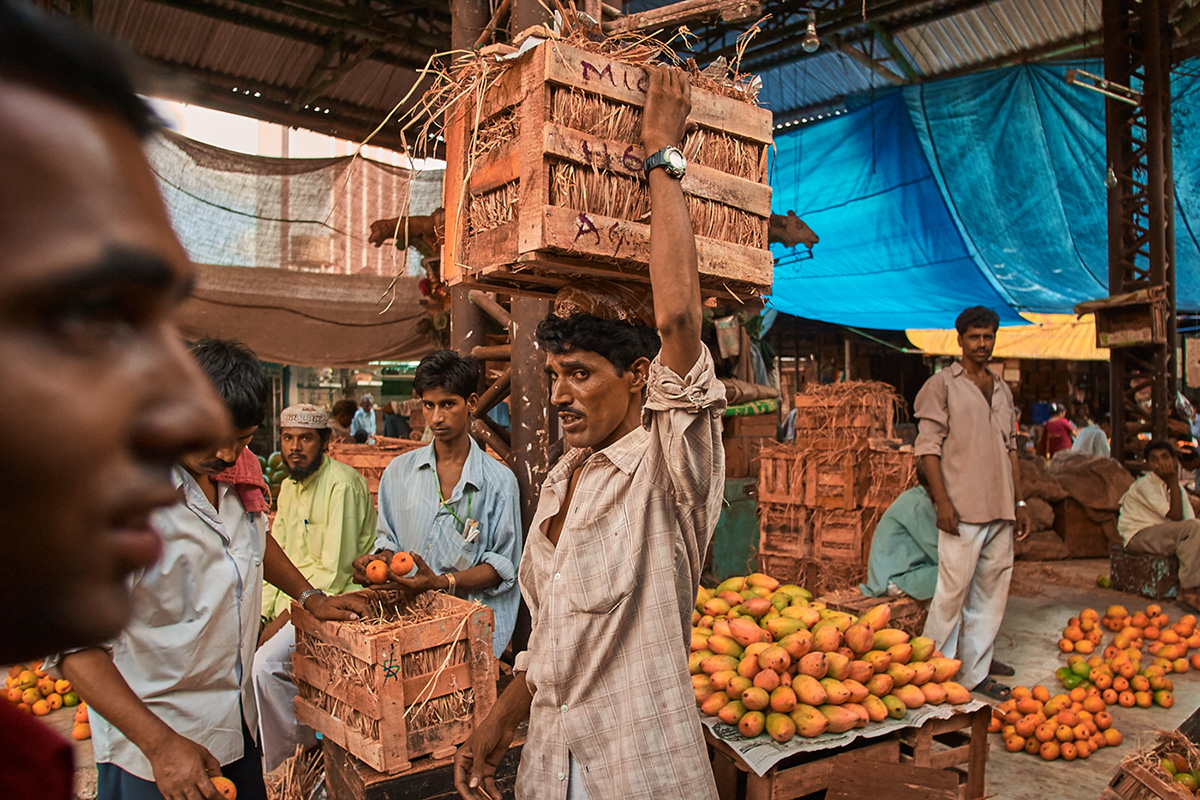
x=593, y=192
x=827, y=575
x=892, y=472
x=729, y=224
x=490, y=210
x=1168, y=743
x=594, y=115
x=296, y=777
x=496, y=131
x=721, y=151
x=831, y=410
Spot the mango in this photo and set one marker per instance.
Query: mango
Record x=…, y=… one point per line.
x=840, y=719
x=753, y=650
x=901, y=674
x=705, y=621
x=703, y=596
x=799, y=594
x=880, y=685
x=748, y=667
x=809, y=690
x=810, y=616
x=877, y=617
x=934, y=693
x=860, y=671
x=732, y=598
x=736, y=686
x=700, y=637
x=783, y=699
x=809, y=721
x=716, y=663
x=702, y=693
x=797, y=644
x=901, y=653
x=922, y=648
x=752, y=724
x=944, y=668
x=923, y=672
x=732, y=712
x=765, y=581
x=756, y=698
x=814, y=664
x=780, y=601
x=887, y=637
x=697, y=658
x=716, y=607
x=911, y=696
x=767, y=679
x=770, y=615
x=836, y=691
x=780, y=727
x=775, y=658
x=713, y=703
x=826, y=638
x=783, y=626
x=759, y=591
x=734, y=584
x=799, y=613
x=837, y=665
x=721, y=626
x=725, y=646
x=858, y=692
x=876, y=710
x=720, y=680
x=757, y=606
x=895, y=706
x=956, y=693
x=863, y=716
x=859, y=638
x=695, y=618
x=879, y=660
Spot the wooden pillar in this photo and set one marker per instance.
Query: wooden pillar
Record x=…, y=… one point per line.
x=529, y=402
x=466, y=321
x=468, y=18
x=526, y=14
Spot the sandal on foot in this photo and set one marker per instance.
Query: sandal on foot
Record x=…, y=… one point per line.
x=1000, y=668
x=993, y=689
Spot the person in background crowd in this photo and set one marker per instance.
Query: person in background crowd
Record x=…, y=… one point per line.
x=1091, y=438
x=966, y=438
x=364, y=420
x=395, y=420
x=904, y=547
x=171, y=701
x=325, y=519
x=451, y=505
x=1058, y=432
x=340, y=418
x=616, y=547
x=1156, y=518
x=90, y=274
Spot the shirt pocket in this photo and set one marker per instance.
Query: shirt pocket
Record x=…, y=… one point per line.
x=603, y=563
x=461, y=554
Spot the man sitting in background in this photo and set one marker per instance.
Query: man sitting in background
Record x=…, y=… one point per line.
x=1157, y=519
x=340, y=418
x=326, y=519
x=1090, y=439
x=362, y=427
x=904, y=549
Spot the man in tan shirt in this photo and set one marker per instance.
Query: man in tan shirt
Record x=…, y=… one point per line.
x=967, y=443
x=613, y=557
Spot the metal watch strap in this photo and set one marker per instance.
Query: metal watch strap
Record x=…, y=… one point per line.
x=307, y=593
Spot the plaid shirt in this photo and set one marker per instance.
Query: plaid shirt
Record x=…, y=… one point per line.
x=612, y=604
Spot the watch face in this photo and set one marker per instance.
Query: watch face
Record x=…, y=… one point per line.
x=675, y=159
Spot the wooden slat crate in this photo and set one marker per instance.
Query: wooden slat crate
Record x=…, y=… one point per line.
x=821, y=418
x=397, y=671
x=370, y=460
x=781, y=475
x=835, y=479
x=905, y=613
x=842, y=535
x=783, y=529
x=785, y=569
x=959, y=744
x=893, y=472
x=1135, y=782
x=545, y=188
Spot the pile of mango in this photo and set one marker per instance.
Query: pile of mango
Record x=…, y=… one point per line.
x=1118, y=673
x=1176, y=768
x=767, y=658
x=1066, y=726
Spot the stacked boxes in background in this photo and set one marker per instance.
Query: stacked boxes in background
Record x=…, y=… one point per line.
x=820, y=498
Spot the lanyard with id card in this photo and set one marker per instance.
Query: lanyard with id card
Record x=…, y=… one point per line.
x=470, y=528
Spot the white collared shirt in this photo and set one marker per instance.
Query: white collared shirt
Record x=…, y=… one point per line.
x=188, y=651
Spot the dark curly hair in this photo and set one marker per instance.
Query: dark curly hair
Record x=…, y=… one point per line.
x=977, y=317
x=1160, y=444
x=447, y=370
x=622, y=343
x=238, y=377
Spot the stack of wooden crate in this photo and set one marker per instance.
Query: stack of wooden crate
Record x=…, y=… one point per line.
x=819, y=498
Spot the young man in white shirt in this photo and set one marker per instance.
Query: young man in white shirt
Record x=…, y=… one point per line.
x=171, y=697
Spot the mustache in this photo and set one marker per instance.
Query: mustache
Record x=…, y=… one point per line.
x=569, y=410
x=218, y=464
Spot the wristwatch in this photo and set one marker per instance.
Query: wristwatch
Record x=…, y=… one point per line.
x=307, y=593
x=670, y=159
x=1021, y=504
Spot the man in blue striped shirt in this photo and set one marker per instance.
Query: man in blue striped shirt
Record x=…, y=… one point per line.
x=450, y=504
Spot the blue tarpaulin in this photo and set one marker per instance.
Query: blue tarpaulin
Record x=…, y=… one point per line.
x=982, y=190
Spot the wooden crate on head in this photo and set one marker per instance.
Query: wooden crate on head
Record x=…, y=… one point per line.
x=414, y=680
x=544, y=181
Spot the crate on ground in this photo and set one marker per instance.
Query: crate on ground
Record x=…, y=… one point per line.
x=544, y=181
x=784, y=568
x=389, y=692
x=781, y=475
x=959, y=744
x=1139, y=776
x=783, y=529
x=824, y=415
x=370, y=460
x=904, y=613
x=841, y=535
x=1156, y=577
x=835, y=479
x=892, y=472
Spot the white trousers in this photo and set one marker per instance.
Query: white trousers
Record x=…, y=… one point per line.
x=279, y=730
x=974, y=570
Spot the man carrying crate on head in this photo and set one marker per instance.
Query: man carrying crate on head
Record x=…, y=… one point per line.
x=613, y=557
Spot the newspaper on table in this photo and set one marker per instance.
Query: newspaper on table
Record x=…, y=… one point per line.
x=762, y=752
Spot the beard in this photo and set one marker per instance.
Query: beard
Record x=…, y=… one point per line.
x=300, y=473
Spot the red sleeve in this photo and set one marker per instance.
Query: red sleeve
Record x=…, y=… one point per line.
x=35, y=762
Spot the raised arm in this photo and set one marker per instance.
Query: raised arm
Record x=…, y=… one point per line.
x=674, y=276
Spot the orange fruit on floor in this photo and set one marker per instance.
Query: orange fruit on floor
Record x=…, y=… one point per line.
x=81, y=713
x=1044, y=732
x=1014, y=744
x=1073, y=633
x=1026, y=727
x=1040, y=693
x=1027, y=705
x=1049, y=750
x=1121, y=683
x=1125, y=699
x=1068, y=751
x=402, y=564
x=1066, y=645
x=54, y=701
x=14, y=695
x=377, y=571
x=1086, y=646
x=30, y=696
x=1103, y=720
x=1090, y=614
x=1094, y=704
x=62, y=687
x=81, y=731
x=225, y=787
x=1032, y=746
x=24, y=707
x=41, y=708
x=994, y=725
x=1113, y=737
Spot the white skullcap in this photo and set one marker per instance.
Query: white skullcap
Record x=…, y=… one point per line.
x=304, y=415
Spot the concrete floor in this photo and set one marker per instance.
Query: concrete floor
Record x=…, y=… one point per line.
x=1043, y=597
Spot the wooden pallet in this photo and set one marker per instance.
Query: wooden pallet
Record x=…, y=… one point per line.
x=905, y=613
x=537, y=243
x=392, y=692
x=959, y=744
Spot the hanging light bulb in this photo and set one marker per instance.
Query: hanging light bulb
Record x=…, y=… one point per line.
x=810, y=42
x=1110, y=177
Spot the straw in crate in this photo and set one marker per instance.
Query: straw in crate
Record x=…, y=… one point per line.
x=414, y=679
